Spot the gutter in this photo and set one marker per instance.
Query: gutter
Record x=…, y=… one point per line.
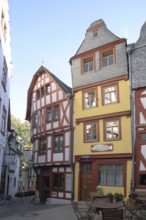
x=132, y=101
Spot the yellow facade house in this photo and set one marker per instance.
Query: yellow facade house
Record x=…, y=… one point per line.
x=102, y=116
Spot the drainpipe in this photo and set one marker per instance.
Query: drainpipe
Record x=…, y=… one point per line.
x=132, y=106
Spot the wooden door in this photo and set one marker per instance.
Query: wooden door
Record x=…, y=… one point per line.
x=45, y=188
x=86, y=180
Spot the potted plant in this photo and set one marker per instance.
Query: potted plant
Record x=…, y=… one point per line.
x=118, y=197
x=111, y=197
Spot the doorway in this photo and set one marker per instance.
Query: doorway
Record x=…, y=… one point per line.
x=86, y=180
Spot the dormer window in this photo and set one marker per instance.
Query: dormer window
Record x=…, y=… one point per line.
x=95, y=33
x=48, y=89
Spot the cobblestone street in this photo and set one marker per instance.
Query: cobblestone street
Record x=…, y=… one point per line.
x=22, y=208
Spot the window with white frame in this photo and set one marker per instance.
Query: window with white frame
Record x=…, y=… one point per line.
x=110, y=94
x=112, y=129
x=88, y=64
x=91, y=131
x=111, y=174
x=90, y=99
x=107, y=58
x=58, y=143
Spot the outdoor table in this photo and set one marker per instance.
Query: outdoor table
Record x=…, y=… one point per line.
x=141, y=199
x=106, y=205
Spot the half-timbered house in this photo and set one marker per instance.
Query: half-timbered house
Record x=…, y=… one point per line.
x=49, y=109
x=137, y=63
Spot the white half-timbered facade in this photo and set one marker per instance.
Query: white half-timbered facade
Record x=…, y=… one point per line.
x=137, y=58
x=49, y=109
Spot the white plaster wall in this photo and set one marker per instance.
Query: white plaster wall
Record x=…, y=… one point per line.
x=57, y=157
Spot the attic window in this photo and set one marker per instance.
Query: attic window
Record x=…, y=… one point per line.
x=95, y=33
x=88, y=65
x=48, y=89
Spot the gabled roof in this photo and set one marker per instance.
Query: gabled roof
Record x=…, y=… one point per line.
x=104, y=37
x=40, y=71
x=142, y=38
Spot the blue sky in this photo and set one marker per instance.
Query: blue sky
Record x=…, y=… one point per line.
x=52, y=31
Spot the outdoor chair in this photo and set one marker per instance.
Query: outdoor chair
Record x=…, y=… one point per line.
x=131, y=208
x=82, y=212
x=113, y=214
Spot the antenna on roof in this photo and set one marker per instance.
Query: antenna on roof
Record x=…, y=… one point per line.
x=43, y=63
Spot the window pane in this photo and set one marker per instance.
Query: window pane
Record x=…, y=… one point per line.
x=90, y=66
x=56, y=112
x=111, y=60
x=85, y=68
x=49, y=114
x=48, y=88
x=105, y=61
x=113, y=97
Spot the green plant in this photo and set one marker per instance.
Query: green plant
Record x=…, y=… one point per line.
x=111, y=197
x=118, y=197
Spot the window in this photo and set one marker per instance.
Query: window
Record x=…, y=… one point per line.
x=42, y=146
x=56, y=112
x=95, y=33
x=88, y=65
x=90, y=99
x=3, y=124
x=49, y=114
x=112, y=129
x=107, y=58
x=91, y=130
x=52, y=113
x=35, y=120
x=58, y=181
x=38, y=95
x=48, y=89
x=42, y=91
x=3, y=25
x=111, y=174
x=4, y=74
x=58, y=143
x=110, y=94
